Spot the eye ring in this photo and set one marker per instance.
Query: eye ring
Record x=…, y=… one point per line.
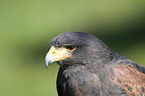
x=70, y=47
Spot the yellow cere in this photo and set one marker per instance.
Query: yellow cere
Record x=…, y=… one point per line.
x=59, y=53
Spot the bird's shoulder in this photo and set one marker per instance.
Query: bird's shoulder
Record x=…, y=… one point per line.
x=131, y=63
x=130, y=76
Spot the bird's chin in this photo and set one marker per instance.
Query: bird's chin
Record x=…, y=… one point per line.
x=63, y=64
x=60, y=63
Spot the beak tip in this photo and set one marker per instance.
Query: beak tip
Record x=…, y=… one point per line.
x=47, y=66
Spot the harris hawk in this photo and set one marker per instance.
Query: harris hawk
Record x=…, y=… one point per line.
x=88, y=67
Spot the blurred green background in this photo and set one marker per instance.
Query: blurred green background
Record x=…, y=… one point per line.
x=26, y=26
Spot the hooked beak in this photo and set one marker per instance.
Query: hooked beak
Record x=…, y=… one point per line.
x=49, y=59
x=56, y=54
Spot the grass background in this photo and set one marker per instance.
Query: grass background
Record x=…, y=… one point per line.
x=26, y=26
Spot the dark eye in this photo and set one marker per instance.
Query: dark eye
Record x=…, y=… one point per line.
x=70, y=47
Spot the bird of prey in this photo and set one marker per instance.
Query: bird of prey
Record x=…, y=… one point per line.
x=88, y=67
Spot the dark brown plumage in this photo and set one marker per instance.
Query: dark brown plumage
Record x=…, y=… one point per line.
x=91, y=68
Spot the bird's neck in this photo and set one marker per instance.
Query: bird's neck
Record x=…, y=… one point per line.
x=101, y=59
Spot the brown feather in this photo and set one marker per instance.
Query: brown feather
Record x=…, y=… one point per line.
x=130, y=79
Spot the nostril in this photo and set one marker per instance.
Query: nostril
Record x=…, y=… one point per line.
x=53, y=52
